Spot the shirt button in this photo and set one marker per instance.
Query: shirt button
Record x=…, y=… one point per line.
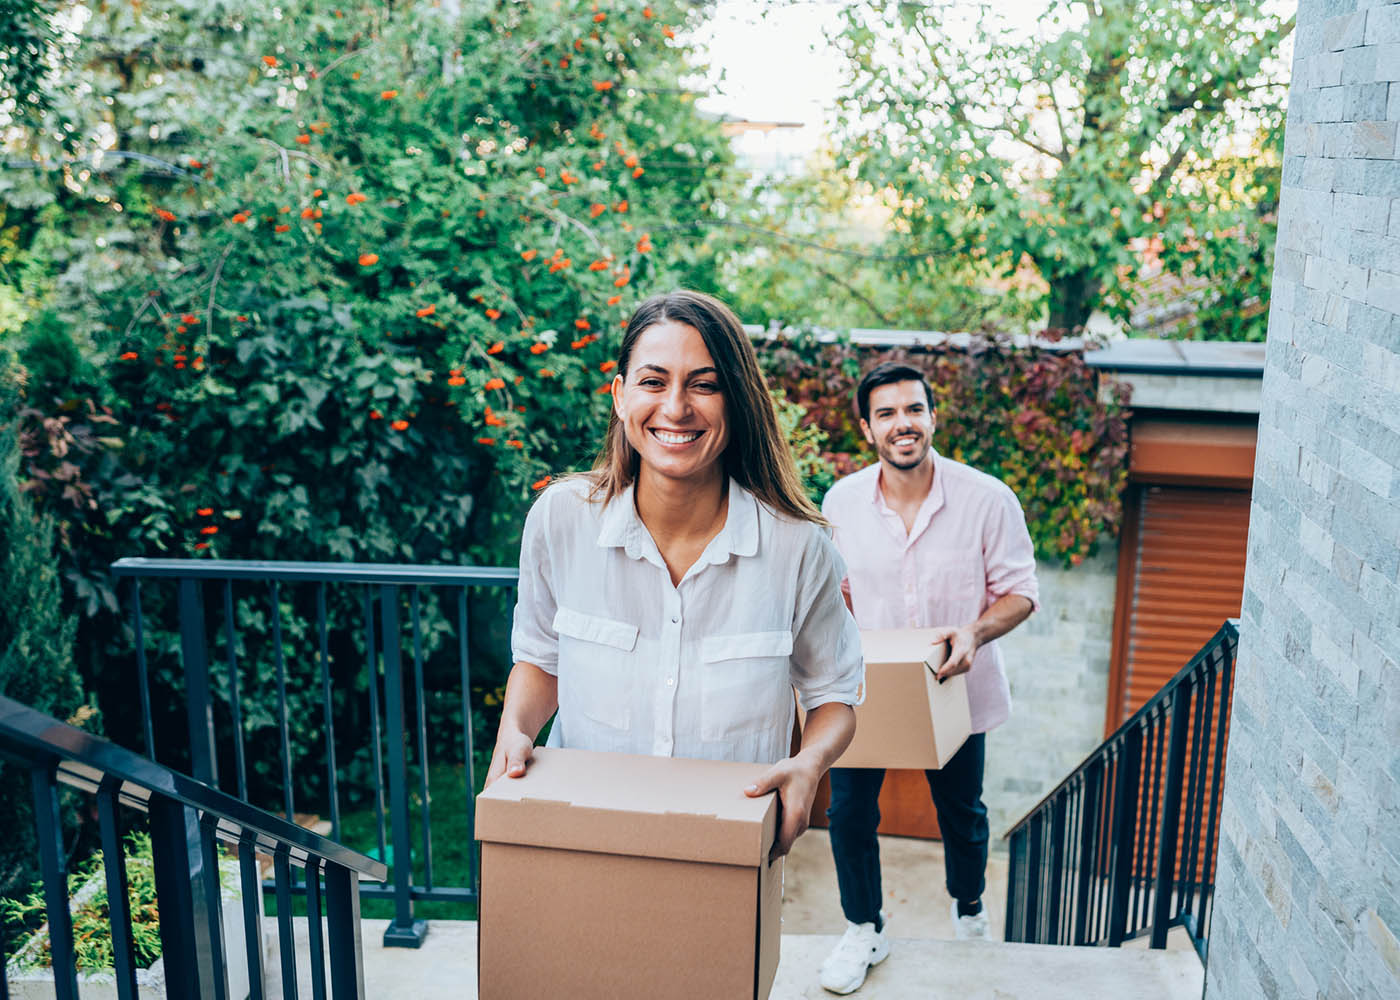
x=670, y=682
x=675, y=621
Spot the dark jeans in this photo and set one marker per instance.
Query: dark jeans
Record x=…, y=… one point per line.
x=854, y=814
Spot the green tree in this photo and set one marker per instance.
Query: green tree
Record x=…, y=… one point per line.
x=1106, y=134
x=36, y=637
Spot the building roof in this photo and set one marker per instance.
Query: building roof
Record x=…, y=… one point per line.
x=1180, y=357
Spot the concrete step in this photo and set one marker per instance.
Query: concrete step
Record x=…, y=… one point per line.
x=917, y=968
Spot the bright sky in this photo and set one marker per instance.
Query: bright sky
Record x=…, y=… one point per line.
x=774, y=62
x=771, y=62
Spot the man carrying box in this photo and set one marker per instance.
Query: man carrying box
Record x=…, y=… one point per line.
x=928, y=543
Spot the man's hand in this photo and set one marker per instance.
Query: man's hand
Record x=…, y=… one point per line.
x=513, y=753
x=795, y=780
x=962, y=646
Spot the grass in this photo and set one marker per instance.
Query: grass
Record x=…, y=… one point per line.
x=452, y=846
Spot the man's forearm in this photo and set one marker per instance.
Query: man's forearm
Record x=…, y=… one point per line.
x=1004, y=614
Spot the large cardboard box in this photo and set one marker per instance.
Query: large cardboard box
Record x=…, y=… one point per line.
x=608, y=876
x=908, y=719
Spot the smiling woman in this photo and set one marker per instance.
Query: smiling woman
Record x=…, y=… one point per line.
x=673, y=598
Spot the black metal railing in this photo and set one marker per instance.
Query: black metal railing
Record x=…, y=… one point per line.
x=392, y=719
x=187, y=820
x=1125, y=846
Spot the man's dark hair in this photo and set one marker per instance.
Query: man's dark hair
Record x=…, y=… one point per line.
x=885, y=373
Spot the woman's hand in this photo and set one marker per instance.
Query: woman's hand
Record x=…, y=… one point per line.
x=513, y=753
x=532, y=695
x=828, y=731
x=795, y=779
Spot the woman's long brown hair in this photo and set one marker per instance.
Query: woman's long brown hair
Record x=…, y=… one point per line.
x=757, y=456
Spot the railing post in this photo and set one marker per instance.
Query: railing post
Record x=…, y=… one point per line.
x=178, y=862
x=195, y=656
x=1033, y=875
x=118, y=901
x=1171, y=813
x=53, y=864
x=403, y=931
x=343, y=931
x=1057, y=867
x=1015, y=897
x=1088, y=826
x=1125, y=809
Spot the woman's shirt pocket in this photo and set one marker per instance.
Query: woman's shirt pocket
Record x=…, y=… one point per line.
x=594, y=667
x=744, y=683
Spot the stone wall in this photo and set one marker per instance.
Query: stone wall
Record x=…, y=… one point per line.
x=1057, y=663
x=1308, y=893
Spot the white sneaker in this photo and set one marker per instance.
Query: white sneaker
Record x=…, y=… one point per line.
x=974, y=928
x=860, y=948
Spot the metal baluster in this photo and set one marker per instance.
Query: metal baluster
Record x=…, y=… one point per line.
x=53, y=864
x=343, y=929
x=1014, y=895
x=204, y=755
x=422, y=733
x=312, y=878
x=1222, y=724
x=1088, y=812
x=1171, y=807
x=235, y=702
x=212, y=901
x=1125, y=794
x=372, y=656
x=283, y=735
x=141, y=672
x=1033, y=866
x=1146, y=830
x=403, y=931
x=286, y=941
x=252, y=914
x=1200, y=738
x=118, y=900
x=323, y=648
x=176, y=853
x=469, y=759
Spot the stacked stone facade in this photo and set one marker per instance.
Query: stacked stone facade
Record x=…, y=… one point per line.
x=1308, y=892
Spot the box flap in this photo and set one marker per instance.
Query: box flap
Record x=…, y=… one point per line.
x=659, y=807
x=901, y=645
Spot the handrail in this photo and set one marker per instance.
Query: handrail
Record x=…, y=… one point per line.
x=83, y=760
x=1230, y=629
x=187, y=820
x=366, y=657
x=402, y=574
x=1124, y=847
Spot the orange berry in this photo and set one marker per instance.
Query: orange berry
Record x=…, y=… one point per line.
x=493, y=314
x=496, y=348
x=529, y=254
x=388, y=95
x=369, y=259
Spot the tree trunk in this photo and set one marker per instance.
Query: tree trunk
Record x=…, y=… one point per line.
x=1073, y=297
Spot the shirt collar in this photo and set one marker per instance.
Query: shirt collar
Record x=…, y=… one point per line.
x=620, y=527
x=932, y=504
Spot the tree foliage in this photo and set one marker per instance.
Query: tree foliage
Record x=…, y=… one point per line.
x=1109, y=137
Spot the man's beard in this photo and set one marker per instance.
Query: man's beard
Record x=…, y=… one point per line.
x=888, y=454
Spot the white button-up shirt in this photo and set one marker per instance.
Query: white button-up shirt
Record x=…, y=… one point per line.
x=703, y=669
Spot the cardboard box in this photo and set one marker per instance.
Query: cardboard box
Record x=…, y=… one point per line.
x=607, y=876
x=908, y=719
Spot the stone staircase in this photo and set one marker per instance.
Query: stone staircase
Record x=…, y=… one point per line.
x=917, y=969
x=923, y=964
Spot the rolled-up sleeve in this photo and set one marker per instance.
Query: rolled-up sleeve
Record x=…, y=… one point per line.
x=827, y=664
x=1007, y=551
x=532, y=636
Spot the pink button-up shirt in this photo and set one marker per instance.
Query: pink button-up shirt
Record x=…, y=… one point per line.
x=968, y=548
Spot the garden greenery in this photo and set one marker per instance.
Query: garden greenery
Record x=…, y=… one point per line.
x=345, y=282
